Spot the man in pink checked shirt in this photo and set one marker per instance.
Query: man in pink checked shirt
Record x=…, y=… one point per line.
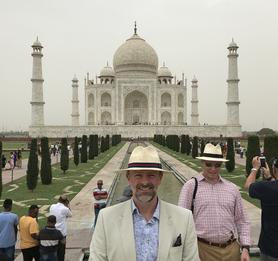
x=221, y=222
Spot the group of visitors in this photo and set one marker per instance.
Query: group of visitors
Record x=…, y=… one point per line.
x=210, y=223
x=15, y=160
x=47, y=244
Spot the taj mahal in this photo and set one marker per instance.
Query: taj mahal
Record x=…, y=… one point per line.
x=135, y=98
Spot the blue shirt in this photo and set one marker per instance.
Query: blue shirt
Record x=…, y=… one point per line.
x=8, y=221
x=146, y=234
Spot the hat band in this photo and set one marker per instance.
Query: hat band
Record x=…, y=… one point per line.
x=144, y=165
x=212, y=155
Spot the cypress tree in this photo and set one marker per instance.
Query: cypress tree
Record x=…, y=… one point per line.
x=187, y=145
x=253, y=149
x=76, y=152
x=46, y=172
x=95, y=146
x=1, y=185
x=195, y=147
x=203, y=144
x=107, y=142
x=64, y=161
x=84, y=152
x=32, y=171
x=102, y=144
x=270, y=148
x=91, y=147
x=183, y=145
x=230, y=165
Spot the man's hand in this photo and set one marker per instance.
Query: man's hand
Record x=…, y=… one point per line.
x=256, y=163
x=244, y=255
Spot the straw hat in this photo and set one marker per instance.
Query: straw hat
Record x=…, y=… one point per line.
x=144, y=158
x=212, y=153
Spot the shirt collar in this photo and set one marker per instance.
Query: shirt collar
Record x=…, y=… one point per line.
x=202, y=178
x=135, y=210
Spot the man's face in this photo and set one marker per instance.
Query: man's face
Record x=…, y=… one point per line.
x=144, y=184
x=99, y=184
x=211, y=169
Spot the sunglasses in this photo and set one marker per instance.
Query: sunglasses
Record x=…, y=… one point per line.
x=210, y=165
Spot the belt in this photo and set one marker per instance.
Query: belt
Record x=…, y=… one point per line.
x=222, y=245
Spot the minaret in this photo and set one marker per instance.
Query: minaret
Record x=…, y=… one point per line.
x=194, y=103
x=232, y=101
x=37, y=103
x=75, y=103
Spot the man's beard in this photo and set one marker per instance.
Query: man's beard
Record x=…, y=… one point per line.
x=147, y=196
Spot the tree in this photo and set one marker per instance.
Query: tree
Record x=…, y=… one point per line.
x=46, y=172
x=95, y=146
x=270, y=148
x=76, y=152
x=32, y=166
x=64, y=161
x=107, y=142
x=230, y=165
x=102, y=144
x=91, y=147
x=253, y=149
x=195, y=147
x=183, y=145
x=187, y=145
x=1, y=185
x=203, y=144
x=84, y=152
x=266, y=131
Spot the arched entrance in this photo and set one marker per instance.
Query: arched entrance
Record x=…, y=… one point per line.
x=136, y=108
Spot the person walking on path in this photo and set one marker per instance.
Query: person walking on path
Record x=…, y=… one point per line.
x=8, y=230
x=29, y=230
x=144, y=227
x=61, y=211
x=267, y=192
x=100, y=194
x=49, y=238
x=221, y=222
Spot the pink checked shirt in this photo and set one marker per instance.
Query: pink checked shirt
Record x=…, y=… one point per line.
x=218, y=210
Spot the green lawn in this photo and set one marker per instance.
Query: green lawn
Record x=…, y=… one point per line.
x=237, y=176
x=69, y=183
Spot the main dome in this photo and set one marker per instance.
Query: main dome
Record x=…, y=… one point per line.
x=135, y=55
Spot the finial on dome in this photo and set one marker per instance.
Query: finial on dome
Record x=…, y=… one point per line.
x=163, y=64
x=135, y=28
x=107, y=63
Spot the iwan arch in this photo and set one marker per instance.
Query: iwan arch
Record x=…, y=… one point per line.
x=135, y=98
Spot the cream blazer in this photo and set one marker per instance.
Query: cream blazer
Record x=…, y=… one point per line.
x=113, y=238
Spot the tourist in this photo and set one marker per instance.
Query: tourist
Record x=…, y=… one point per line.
x=19, y=159
x=100, y=194
x=61, y=211
x=220, y=220
x=267, y=192
x=144, y=227
x=28, y=230
x=8, y=230
x=49, y=238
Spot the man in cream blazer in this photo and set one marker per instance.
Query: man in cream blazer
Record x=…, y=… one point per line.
x=144, y=228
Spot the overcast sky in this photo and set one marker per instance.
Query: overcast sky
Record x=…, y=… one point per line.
x=191, y=36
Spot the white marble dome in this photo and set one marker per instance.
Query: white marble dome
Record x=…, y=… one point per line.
x=135, y=55
x=164, y=71
x=107, y=71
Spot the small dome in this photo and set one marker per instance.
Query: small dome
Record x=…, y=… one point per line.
x=194, y=79
x=37, y=43
x=75, y=79
x=233, y=44
x=107, y=71
x=135, y=55
x=164, y=71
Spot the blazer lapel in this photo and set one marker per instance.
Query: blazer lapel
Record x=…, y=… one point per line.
x=126, y=232
x=165, y=232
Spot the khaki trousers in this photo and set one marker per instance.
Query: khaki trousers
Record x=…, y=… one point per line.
x=213, y=253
